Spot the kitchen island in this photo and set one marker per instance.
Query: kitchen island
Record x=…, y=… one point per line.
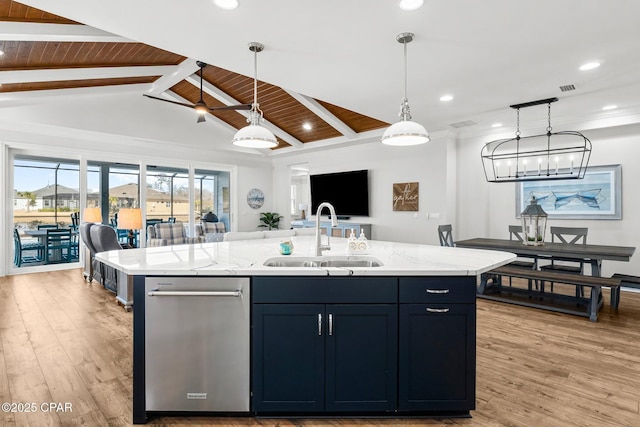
x=386, y=333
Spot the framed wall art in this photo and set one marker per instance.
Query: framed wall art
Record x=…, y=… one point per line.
x=405, y=196
x=597, y=196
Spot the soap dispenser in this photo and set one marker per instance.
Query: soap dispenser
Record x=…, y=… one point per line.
x=352, y=242
x=363, y=245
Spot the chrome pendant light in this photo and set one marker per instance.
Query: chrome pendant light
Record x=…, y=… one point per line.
x=255, y=135
x=405, y=132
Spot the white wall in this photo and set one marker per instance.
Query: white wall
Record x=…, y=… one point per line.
x=485, y=210
x=251, y=177
x=426, y=164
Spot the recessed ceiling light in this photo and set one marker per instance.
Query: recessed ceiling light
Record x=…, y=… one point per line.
x=446, y=98
x=589, y=66
x=226, y=4
x=609, y=107
x=307, y=126
x=411, y=4
x=496, y=125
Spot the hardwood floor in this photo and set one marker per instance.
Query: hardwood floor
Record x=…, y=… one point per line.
x=66, y=341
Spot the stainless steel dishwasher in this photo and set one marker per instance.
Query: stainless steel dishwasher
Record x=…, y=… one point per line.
x=197, y=344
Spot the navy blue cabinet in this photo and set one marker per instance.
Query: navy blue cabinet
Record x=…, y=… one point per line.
x=437, y=359
x=310, y=357
x=362, y=345
x=288, y=357
x=361, y=357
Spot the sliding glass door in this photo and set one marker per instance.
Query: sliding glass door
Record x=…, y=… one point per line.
x=45, y=196
x=49, y=192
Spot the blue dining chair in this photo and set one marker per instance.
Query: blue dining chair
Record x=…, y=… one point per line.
x=59, y=247
x=30, y=252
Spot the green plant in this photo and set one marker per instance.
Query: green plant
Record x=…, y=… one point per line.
x=270, y=220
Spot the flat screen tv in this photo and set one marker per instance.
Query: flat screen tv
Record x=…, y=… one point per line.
x=348, y=192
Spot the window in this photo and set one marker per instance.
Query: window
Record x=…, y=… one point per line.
x=167, y=193
x=212, y=194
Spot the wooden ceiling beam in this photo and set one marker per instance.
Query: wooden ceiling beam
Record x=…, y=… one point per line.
x=323, y=113
x=64, y=74
x=228, y=100
x=168, y=80
x=31, y=31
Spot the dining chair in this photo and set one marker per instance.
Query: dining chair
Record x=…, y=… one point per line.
x=23, y=252
x=572, y=236
x=58, y=244
x=45, y=226
x=515, y=233
x=445, y=234
x=75, y=220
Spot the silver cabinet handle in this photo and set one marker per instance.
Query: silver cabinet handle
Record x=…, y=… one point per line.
x=194, y=293
x=437, y=310
x=437, y=291
x=331, y=324
x=319, y=324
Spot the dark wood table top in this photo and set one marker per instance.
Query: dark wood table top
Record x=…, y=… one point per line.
x=578, y=251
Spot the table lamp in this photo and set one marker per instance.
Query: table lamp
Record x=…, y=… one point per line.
x=92, y=215
x=130, y=219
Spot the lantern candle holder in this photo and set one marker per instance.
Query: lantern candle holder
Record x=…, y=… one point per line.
x=534, y=223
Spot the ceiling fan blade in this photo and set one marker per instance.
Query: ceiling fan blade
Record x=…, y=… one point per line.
x=201, y=118
x=231, y=107
x=168, y=100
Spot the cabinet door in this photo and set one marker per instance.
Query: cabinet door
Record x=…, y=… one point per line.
x=288, y=363
x=437, y=357
x=361, y=344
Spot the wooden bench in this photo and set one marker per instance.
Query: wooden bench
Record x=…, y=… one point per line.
x=594, y=302
x=626, y=281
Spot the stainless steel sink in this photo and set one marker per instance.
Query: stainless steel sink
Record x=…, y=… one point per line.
x=334, y=261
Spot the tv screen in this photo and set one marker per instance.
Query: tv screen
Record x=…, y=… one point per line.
x=348, y=192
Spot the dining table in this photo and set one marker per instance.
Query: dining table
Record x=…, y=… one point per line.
x=41, y=235
x=589, y=253
x=490, y=285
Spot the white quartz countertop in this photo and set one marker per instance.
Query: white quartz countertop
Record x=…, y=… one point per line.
x=246, y=258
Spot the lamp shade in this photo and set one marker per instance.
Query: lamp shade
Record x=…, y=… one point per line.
x=405, y=132
x=255, y=136
x=92, y=215
x=130, y=218
x=302, y=207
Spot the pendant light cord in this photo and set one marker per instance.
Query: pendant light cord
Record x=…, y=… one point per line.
x=255, y=78
x=405, y=112
x=405, y=70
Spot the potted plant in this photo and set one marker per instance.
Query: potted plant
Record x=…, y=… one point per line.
x=270, y=220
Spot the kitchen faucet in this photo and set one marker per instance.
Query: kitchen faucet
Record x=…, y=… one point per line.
x=334, y=223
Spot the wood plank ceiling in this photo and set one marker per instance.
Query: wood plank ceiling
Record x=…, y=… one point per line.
x=282, y=109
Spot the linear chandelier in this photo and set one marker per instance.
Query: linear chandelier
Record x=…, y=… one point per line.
x=543, y=157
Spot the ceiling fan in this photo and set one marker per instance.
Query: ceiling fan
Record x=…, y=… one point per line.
x=201, y=108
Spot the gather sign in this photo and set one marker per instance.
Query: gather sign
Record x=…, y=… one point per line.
x=405, y=196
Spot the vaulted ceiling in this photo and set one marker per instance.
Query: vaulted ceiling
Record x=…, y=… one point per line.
x=94, y=60
x=334, y=65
